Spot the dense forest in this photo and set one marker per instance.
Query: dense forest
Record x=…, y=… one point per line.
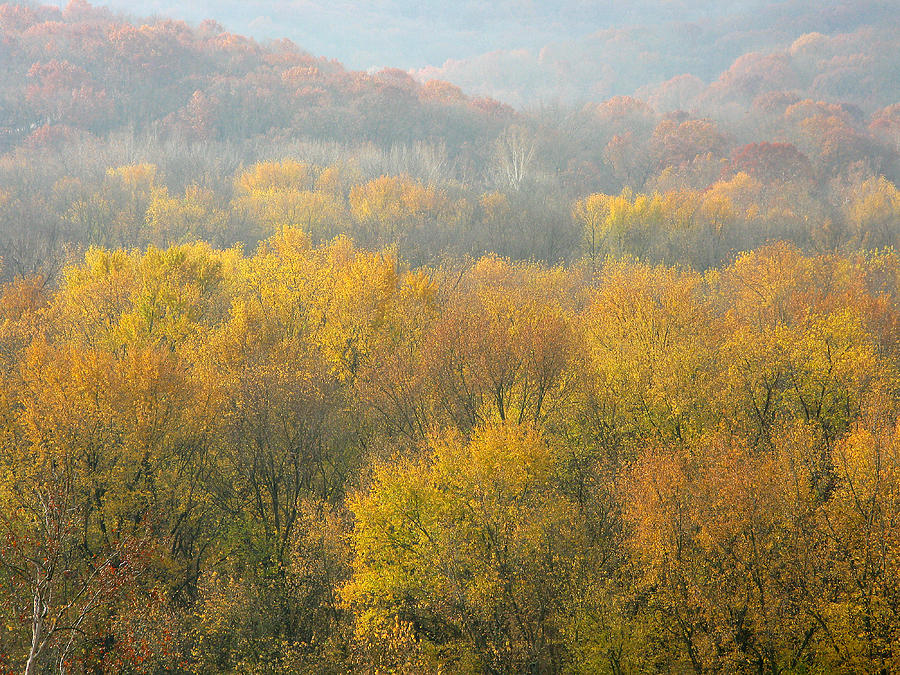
x=311, y=370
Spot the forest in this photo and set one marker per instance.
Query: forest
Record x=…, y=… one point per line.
x=313, y=370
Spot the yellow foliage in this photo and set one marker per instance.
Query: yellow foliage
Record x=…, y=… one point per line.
x=285, y=175
x=392, y=206
x=136, y=178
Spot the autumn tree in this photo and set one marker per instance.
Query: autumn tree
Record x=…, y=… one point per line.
x=469, y=547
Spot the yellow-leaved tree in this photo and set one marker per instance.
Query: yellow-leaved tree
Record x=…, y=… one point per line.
x=471, y=552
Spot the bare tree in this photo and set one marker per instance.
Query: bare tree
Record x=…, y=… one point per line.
x=513, y=158
x=40, y=549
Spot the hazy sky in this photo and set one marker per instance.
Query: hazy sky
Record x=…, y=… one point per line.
x=415, y=33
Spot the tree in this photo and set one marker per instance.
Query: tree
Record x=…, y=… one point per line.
x=772, y=163
x=726, y=543
x=650, y=335
x=469, y=547
x=873, y=212
x=501, y=345
x=391, y=209
x=513, y=158
x=42, y=557
x=591, y=212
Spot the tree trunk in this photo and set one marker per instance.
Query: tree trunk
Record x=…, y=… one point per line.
x=37, y=626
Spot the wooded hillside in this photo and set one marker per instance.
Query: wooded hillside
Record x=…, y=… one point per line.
x=305, y=370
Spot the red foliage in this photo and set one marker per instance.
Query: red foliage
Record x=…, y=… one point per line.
x=775, y=101
x=675, y=144
x=772, y=162
x=492, y=108
x=754, y=74
x=442, y=92
x=54, y=136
